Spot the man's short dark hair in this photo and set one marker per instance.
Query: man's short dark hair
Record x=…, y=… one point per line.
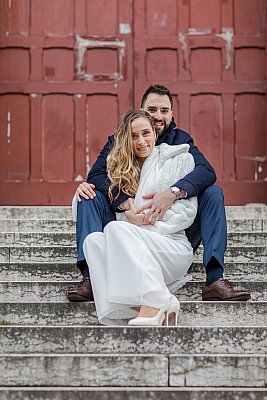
x=158, y=89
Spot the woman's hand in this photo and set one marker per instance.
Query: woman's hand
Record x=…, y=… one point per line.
x=157, y=207
x=86, y=191
x=133, y=218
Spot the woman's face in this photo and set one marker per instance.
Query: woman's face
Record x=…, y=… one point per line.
x=143, y=138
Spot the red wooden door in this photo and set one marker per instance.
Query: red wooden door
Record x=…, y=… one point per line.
x=67, y=72
x=66, y=76
x=212, y=55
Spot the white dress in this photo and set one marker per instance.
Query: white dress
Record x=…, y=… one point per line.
x=130, y=265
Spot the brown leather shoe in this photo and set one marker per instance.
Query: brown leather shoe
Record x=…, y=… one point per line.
x=83, y=292
x=221, y=290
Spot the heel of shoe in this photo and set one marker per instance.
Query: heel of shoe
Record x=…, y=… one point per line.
x=166, y=322
x=174, y=309
x=176, y=314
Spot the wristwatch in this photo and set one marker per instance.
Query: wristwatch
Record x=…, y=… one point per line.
x=176, y=191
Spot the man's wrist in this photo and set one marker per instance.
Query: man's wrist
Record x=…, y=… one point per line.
x=178, y=193
x=124, y=206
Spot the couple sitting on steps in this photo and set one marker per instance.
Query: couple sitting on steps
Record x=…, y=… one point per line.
x=148, y=202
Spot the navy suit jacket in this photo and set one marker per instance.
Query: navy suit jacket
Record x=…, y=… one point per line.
x=194, y=183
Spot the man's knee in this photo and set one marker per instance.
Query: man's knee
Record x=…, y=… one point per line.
x=211, y=203
x=213, y=193
x=99, y=197
x=91, y=204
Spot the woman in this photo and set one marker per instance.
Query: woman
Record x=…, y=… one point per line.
x=131, y=263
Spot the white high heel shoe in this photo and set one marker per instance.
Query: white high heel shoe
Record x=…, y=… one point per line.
x=157, y=320
x=174, y=308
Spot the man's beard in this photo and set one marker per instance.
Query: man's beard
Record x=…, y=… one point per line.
x=160, y=130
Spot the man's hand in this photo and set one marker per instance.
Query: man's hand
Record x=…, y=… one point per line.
x=132, y=216
x=160, y=203
x=86, y=191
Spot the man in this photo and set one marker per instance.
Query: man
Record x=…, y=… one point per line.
x=94, y=210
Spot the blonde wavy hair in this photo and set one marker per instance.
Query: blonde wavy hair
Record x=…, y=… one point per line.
x=123, y=166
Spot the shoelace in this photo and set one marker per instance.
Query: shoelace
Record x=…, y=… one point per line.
x=83, y=282
x=227, y=283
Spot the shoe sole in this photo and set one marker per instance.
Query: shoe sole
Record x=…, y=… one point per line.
x=76, y=298
x=240, y=298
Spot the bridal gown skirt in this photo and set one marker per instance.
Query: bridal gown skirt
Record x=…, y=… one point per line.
x=130, y=266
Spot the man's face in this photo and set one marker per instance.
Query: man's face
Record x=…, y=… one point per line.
x=159, y=107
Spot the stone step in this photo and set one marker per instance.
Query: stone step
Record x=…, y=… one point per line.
x=69, y=239
x=43, y=238
x=42, y=225
x=36, y=212
x=137, y=370
x=55, y=291
x=129, y=393
x=218, y=370
x=129, y=340
x=68, y=225
x=68, y=254
x=191, y=314
x=248, y=211
x=56, y=271
x=84, y=370
x=17, y=212
x=51, y=271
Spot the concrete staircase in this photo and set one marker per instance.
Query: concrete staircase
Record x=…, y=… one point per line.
x=53, y=349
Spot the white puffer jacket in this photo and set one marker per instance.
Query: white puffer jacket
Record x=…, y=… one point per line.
x=162, y=168
x=165, y=166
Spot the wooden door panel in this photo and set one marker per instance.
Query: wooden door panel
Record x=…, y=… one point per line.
x=250, y=17
x=10, y=70
x=58, y=64
x=250, y=64
x=161, y=17
x=102, y=113
x=101, y=17
x=58, y=17
x=14, y=17
x=250, y=120
x=206, y=121
x=14, y=138
x=206, y=65
x=58, y=128
x=205, y=15
x=159, y=63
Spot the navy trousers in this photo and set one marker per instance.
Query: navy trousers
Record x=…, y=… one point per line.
x=209, y=225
